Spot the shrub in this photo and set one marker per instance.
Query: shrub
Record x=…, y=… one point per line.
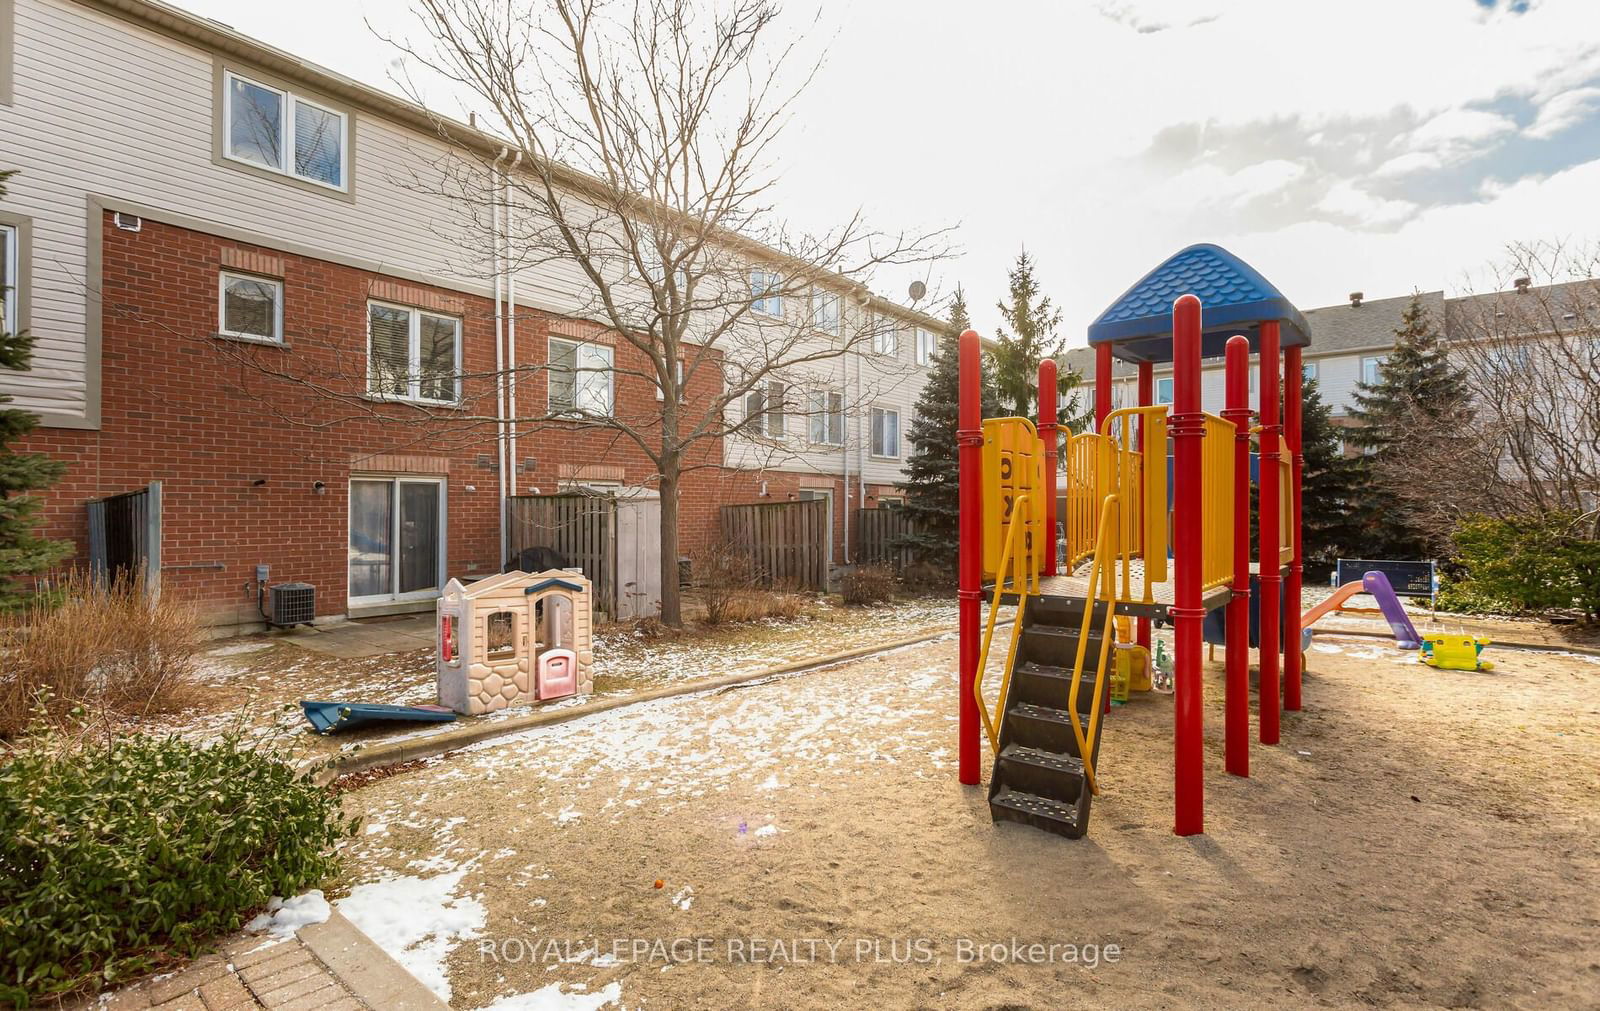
x=1532, y=564
x=120, y=853
x=757, y=605
x=724, y=576
x=868, y=584
x=104, y=646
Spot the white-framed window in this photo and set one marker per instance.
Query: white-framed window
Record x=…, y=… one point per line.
x=10, y=283
x=886, y=433
x=250, y=308
x=927, y=345
x=1163, y=390
x=765, y=288
x=413, y=354
x=886, y=337
x=581, y=377
x=1308, y=371
x=825, y=417
x=280, y=131
x=681, y=393
x=824, y=312
x=1371, y=370
x=765, y=410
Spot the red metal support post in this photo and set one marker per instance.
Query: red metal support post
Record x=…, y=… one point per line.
x=1236, y=707
x=1293, y=377
x=969, y=442
x=1147, y=392
x=1102, y=384
x=1047, y=433
x=1188, y=429
x=1267, y=553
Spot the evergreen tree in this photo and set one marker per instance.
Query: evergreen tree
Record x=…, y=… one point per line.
x=1028, y=338
x=1415, y=411
x=931, y=482
x=22, y=551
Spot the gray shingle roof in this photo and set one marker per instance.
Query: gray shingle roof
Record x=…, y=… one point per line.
x=1337, y=328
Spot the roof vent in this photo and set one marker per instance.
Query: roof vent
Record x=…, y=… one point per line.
x=1355, y=299
x=1522, y=284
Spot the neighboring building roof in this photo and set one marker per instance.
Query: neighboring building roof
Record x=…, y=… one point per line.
x=1234, y=299
x=1546, y=309
x=1369, y=325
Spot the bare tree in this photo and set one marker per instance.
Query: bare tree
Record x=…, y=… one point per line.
x=626, y=148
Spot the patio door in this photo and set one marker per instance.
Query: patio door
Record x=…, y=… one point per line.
x=396, y=539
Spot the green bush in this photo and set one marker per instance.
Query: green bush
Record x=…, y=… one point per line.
x=1534, y=564
x=119, y=854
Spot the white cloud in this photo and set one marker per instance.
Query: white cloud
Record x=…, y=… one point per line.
x=1563, y=112
x=1347, y=200
x=1460, y=126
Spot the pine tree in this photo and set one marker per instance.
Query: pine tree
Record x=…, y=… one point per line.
x=931, y=482
x=1028, y=337
x=22, y=551
x=1415, y=411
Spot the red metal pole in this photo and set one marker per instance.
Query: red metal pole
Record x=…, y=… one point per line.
x=1267, y=554
x=969, y=440
x=1147, y=395
x=1236, y=738
x=1102, y=384
x=1188, y=428
x=1292, y=380
x=1047, y=433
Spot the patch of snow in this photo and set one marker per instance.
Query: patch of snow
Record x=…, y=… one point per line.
x=771, y=783
x=766, y=830
x=418, y=921
x=239, y=647
x=554, y=998
x=568, y=815
x=685, y=897
x=283, y=918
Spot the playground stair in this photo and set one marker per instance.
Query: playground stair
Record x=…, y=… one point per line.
x=1039, y=778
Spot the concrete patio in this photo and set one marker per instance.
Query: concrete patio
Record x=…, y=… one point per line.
x=350, y=640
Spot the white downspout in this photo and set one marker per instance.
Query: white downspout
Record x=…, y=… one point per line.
x=499, y=356
x=511, y=338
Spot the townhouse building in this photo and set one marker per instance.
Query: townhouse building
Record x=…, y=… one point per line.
x=236, y=294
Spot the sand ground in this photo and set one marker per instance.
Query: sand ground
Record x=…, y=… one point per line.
x=1419, y=839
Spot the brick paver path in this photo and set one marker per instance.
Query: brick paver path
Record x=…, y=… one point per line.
x=248, y=974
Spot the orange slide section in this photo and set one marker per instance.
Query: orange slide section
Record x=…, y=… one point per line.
x=1339, y=596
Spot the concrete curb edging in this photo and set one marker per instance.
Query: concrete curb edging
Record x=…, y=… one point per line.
x=412, y=749
x=1542, y=647
x=365, y=969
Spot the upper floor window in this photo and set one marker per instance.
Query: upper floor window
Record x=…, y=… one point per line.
x=280, y=131
x=581, y=378
x=1372, y=370
x=682, y=393
x=1164, y=390
x=927, y=343
x=825, y=312
x=1308, y=370
x=764, y=410
x=885, y=433
x=10, y=295
x=886, y=337
x=412, y=354
x=765, y=292
x=825, y=411
x=250, y=307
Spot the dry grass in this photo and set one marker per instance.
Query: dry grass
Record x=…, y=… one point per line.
x=868, y=584
x=108, y=649
x=757, y=605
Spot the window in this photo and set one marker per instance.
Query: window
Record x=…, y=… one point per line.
x=681, y=392
x=764, y=291
x=825, y=411
x=282, y=132
x=824, y=312
x=886, y=337
x=927, y=343
x=580, y=378
x=500, y=639
x=413, y=355
x=1164, y=390
x=885, y=433
x=10, y=296
x=1308, y=371
x=1370, y=370
x=250, y=307
x=764, y=410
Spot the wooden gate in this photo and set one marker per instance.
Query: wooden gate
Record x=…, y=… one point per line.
x=787, y=542
x=580, y=527
x=125, y=536
x=879, y=534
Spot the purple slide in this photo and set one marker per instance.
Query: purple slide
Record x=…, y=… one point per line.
x=1405, y=635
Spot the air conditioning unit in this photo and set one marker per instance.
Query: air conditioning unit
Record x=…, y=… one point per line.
x=291, y=604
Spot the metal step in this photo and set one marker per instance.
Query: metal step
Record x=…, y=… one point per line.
x=1057, y=645
x=1041, y=773
x=1044, y=728
x=1040, y=812
x=1048, y=685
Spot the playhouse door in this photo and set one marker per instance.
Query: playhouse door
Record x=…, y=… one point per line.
x=558, y=674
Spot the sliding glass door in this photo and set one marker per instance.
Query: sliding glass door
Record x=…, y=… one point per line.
x=396, y=539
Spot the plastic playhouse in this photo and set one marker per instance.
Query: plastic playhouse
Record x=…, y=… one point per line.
x=1045, y=731
x=514, y=639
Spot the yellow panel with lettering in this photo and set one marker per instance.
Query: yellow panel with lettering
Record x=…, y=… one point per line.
x=1013, y=466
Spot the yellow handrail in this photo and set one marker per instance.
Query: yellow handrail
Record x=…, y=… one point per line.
x=1025, y=575
x=1102, y=585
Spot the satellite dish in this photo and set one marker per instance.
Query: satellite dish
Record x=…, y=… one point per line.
x=918, y=289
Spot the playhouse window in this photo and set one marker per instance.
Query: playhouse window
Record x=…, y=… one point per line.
x=500, y=631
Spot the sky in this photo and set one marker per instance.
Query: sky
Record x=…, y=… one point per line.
x=1366, y=145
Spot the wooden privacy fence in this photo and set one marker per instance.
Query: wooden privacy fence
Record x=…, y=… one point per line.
x=787, y=542
x=578, y=526
x=878, y=537
x=125, y=536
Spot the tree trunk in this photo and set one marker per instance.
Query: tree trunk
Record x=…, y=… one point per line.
x=671, y=598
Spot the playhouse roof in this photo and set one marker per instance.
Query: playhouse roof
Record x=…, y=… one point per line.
x=503, y=581
x=1234, y=299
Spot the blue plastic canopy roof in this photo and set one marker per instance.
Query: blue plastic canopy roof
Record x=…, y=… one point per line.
x=1234, y=299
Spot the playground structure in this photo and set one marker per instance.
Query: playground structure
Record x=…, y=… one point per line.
x=1376, y=585
x=1047, y=725
x=513, y=639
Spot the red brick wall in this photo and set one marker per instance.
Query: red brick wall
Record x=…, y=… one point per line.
x=237, y=436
